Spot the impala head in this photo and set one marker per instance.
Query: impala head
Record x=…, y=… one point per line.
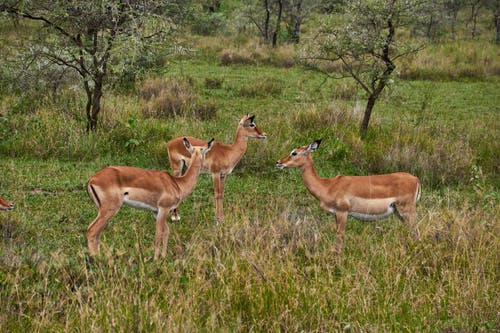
x=203, y=150
x=298, y=156
x=6, y=204
x=250, y=129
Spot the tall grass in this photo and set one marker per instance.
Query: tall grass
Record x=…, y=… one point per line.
x=272, y=265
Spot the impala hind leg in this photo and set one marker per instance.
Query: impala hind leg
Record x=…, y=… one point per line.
x=219, y=180
x=95, y=228
x=162, y=234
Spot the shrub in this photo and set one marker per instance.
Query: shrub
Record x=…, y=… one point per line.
x=173, y=97
x=208, y=24
x=427, y=152
x=213, y=82
x=231, y=57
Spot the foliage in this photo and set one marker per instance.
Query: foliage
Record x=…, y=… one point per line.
x=271, y=266
x=83, y=36
x=367, y=45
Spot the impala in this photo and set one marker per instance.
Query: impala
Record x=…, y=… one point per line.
x=6, y=204
x=219, y=162
x=362, y=197
x=157, y=191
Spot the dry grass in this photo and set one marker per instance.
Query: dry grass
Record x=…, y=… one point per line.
x=174, y=97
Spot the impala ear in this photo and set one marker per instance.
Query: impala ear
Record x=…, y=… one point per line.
x=251, y=118
x=210, y=144
x=186, y=144
x=313, y=146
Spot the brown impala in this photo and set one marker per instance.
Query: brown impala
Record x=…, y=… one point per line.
x=158, y=191
x=363, y=197
x=6, y=204
x=219, y=162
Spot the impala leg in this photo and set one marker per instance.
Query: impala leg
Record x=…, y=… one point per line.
x=177, y=170
x=218, y=180
x=95, y=228
x=341, y=219
x=409, y=215
x=162, y=234
x=174, y=215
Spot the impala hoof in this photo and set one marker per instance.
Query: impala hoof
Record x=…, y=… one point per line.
x=175, y=218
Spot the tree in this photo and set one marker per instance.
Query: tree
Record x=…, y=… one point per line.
x=367, y=45
x=475, y=7
x=453, y=7
x=269, y=15
x=494, y=6
x=84, y=35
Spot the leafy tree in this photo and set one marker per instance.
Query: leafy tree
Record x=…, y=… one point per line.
x=367, y=45
x=84, y=35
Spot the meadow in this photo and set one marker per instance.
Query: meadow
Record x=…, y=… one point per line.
x=271, y=265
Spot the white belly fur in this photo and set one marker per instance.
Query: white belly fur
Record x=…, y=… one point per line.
x=373, y=217
x=370, y=216
x=138, y=204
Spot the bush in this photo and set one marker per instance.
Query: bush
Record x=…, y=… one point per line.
x=208, y=24
x=213, y=82
x=173, y=97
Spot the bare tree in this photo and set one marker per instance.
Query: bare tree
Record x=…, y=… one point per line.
x=453, y=7
x=367, y=46
x=475, y=7
x=266, y=14
x=83, y=35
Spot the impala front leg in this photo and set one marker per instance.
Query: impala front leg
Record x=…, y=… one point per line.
x=219, y=180
x=162, y=234
x=341, y=219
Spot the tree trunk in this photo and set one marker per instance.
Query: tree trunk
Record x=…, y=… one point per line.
x=266, y=22
x=296, y=19
x=368, y=114
x=278, y=23
x=497, y=25
x=377, y=88
x=93, y=106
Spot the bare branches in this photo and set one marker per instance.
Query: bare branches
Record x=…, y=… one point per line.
x=366, y=44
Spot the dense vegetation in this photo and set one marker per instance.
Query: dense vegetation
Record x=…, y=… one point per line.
x=271, y=265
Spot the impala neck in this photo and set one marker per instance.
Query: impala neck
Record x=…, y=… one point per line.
x=312, y=180
x=239, y=145
x=187, y=182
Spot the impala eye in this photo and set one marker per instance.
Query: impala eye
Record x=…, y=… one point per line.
x=294, y=153
x=252, y=125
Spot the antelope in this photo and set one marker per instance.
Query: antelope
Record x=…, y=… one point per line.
x=365, y=198
x=6, y=204
x=220, y=162
x=157, y=191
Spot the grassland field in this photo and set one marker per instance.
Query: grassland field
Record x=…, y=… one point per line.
x=271, y=265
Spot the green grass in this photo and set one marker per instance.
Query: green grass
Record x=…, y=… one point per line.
x=271, y=266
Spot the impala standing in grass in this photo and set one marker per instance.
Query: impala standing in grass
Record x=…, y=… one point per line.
x=366, y=198
x=158, y=191
x=6, y=204
x=220, y=161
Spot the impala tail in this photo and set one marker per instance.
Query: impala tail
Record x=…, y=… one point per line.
x=93, y=195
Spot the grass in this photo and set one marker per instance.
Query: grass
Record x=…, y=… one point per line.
x=271, y=266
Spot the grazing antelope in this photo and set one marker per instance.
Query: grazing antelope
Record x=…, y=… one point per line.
x=158, y=191
x=220, y=162
x=6, y=204
x=362, y=197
